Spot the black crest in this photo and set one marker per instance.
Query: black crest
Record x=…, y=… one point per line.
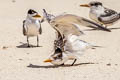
x=95, y=3
x=31, y=11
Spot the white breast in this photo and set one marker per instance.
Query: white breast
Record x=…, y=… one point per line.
x=32, y=30
x=77, y=44
x=74, y=47
x=95, y=12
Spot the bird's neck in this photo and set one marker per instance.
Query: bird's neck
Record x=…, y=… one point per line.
x=96, y=11
x=98, y=8
x=28, y=18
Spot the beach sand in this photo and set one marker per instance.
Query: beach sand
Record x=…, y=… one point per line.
x=17, y=62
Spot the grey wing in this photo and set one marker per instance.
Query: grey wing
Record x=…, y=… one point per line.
x=110, y=16
x=40, y=28
x=92, y=24
x=24, y=29
x=76, y=20
x=67, y=28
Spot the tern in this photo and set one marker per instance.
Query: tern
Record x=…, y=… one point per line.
x=32, y=26
x=73, y=49
x=69, y=23
x=101, y=14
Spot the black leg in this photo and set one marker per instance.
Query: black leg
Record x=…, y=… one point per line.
x=73, y=62
x=62, y=64
x=28, y=41
x=37, y=41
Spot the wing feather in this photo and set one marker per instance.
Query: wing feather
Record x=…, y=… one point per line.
x=24, y=28
x=109, y=17
x=67, y=28
x=69, y=21
x=40, y=28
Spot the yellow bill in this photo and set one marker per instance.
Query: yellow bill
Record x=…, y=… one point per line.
x=37, y=16
x=85, y=5
x=48, y=60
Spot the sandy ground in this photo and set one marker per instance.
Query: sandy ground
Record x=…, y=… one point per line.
x=16, y=59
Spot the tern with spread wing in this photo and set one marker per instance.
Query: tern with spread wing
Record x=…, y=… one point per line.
x=69, y=23
x=68, y=45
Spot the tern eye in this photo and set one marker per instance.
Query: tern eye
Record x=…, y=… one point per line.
x=55, y=58
x=91, y=4
x=96, y=4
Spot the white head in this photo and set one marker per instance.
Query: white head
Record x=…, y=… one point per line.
x=32, y=14
x=57, y=58
x=93, y=5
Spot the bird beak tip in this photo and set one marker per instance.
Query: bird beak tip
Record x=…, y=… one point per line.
x=48, y=60
x=84, y=5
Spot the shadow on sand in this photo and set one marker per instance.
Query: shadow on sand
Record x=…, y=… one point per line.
x=52, y=66
x=25, y=45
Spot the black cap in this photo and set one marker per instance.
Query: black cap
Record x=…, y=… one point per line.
x=31, y=11
x=95, y=3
